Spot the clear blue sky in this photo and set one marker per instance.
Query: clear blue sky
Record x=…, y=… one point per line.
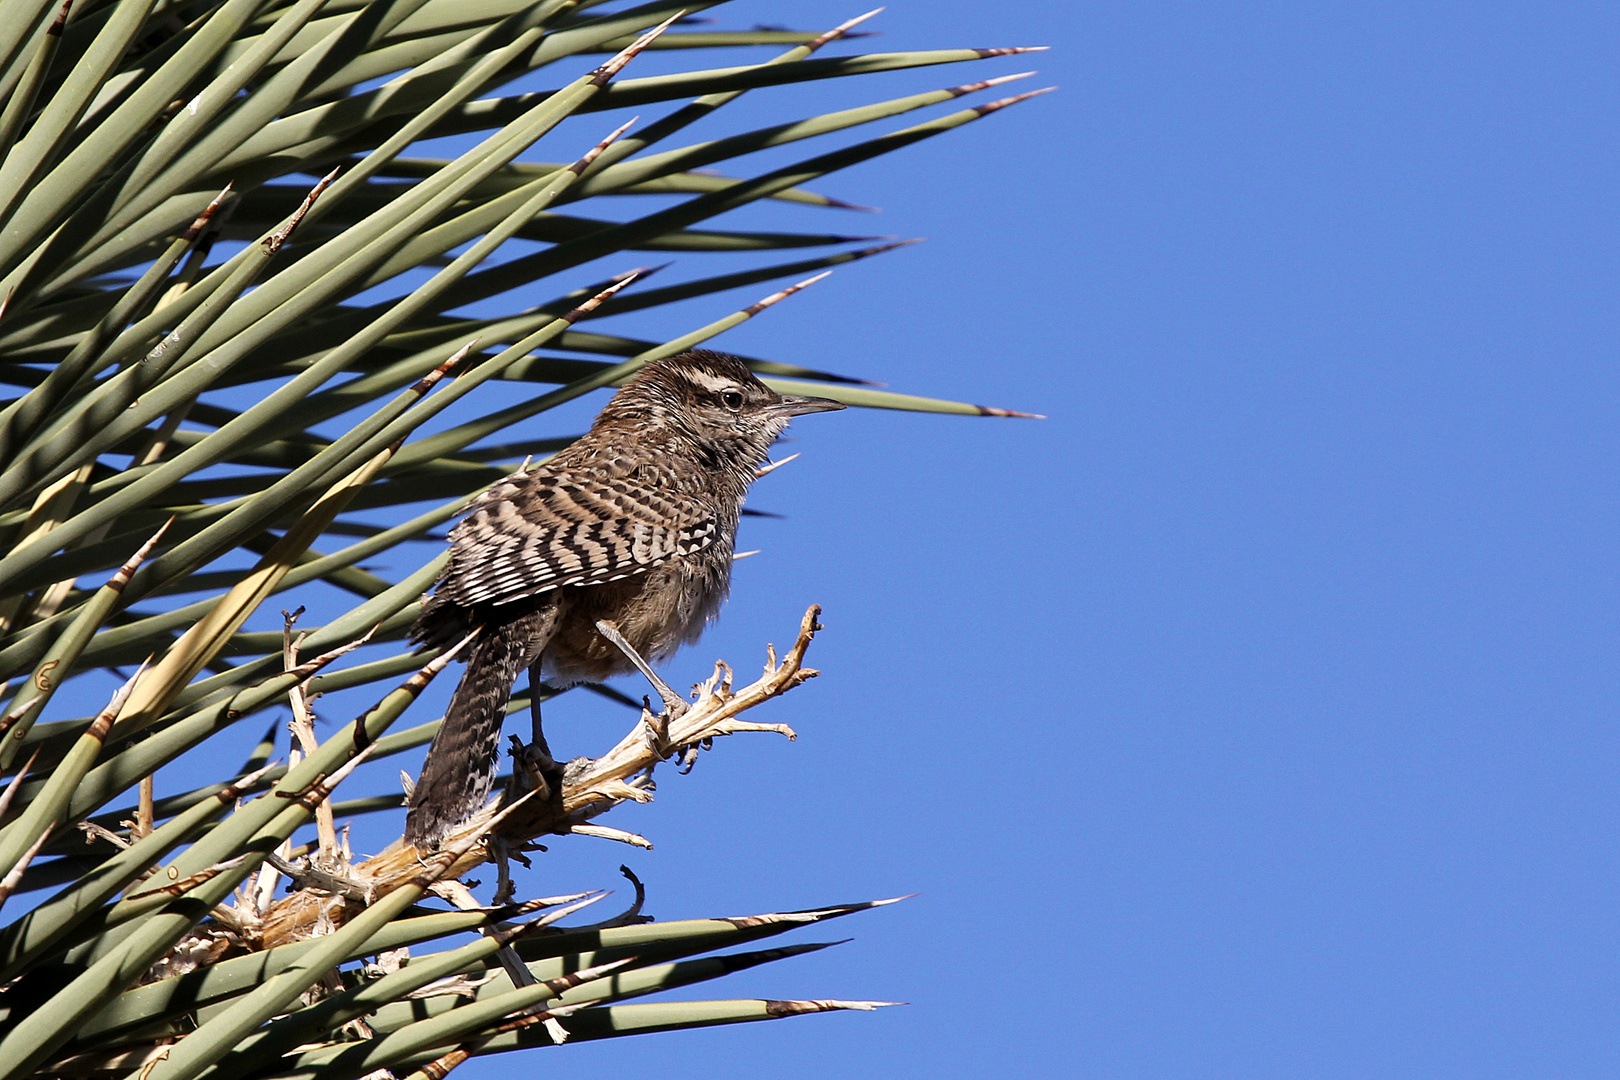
x=1252, y=716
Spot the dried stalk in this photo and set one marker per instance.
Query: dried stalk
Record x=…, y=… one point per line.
x=303, y=730
x=590, y=787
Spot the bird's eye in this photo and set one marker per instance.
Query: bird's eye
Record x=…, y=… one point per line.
x=732, y=399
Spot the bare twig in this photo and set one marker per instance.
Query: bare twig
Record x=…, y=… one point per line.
x=590, y=786
x=303, y=730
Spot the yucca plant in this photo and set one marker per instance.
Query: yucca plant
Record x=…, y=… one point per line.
x=216, y=244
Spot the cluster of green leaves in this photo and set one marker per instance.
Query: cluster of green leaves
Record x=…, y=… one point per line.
x=184, y=313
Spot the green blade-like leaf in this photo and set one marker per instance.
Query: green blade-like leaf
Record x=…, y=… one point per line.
x=496, y=280
x=21, y=419
x=48, y=201
x=118, y=958
x=58, y=661
x=42, y=931
x=34, y=153
x=199, y=1050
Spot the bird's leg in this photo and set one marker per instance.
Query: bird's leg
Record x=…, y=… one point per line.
x=674, y=704
x=534, y=761
x=537, y=734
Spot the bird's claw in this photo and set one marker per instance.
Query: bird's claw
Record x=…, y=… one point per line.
x=535, y=763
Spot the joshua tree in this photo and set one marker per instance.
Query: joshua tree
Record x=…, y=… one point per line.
x=199, y=200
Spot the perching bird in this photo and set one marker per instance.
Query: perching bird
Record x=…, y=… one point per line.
x=634, y=524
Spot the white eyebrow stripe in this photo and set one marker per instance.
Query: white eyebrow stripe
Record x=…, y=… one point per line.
x=714, y=383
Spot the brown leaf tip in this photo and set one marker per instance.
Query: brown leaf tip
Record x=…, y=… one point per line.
x=843, y=204
x=985, y=54
x=990, y=410
x=276, y=240
x=990, y=107
x=795, y=1008
x=601, y=75
x=778, y=297
x=127, y=571
x=426, y=382
x=594, y=152
x=840, y=30
x=620, y=282
x=866, y=253
x=985, y=84
x=208, y=212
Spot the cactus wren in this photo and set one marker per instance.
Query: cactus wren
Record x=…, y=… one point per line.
x=634, y=524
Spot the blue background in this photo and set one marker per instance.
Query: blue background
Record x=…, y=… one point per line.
x=1252, y=715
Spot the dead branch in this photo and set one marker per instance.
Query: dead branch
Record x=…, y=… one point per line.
x=591, y=786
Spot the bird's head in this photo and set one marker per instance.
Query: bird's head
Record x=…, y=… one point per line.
x=713, y=399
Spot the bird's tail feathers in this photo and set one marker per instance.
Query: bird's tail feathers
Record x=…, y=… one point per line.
x=462, y=762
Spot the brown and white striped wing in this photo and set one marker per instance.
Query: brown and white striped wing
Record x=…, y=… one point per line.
x=557, y=532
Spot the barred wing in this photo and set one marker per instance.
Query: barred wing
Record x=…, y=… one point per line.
x=539, y=533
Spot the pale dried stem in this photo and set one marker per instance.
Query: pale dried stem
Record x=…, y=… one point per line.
x=590, y=788
x=303, y=729
x=52, y=506
x=145, y=809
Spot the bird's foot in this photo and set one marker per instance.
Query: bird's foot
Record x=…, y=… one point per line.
x=533, y=763
x=689, y=754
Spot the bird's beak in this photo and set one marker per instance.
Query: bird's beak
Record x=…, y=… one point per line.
x=798, y=406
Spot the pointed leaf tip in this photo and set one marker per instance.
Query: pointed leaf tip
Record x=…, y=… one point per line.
x=621, y=281
x=594, y=152
x=207, y=214
x=840, y=30
x=843, y=204
x=426, y=382
x=602, y=74
x=985, y=84
x=881, y=248
x=121, y=577
x=990, y=410
x=990, y=107
x=778, y=297
x=795, y=1008
x=278, y=239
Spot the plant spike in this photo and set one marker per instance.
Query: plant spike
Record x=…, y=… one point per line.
x=123, y=403
x=249, y=423
x=20, y=419
x=67, y=104
x=701, y=107
x=46, y=811
x=41, y=931
x=564, y=256
x=199, y=1050
x=57, y=192
x=21, y=99
x=159, y=378
x=117, y=959
x=63, y=653
x=446, y=442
